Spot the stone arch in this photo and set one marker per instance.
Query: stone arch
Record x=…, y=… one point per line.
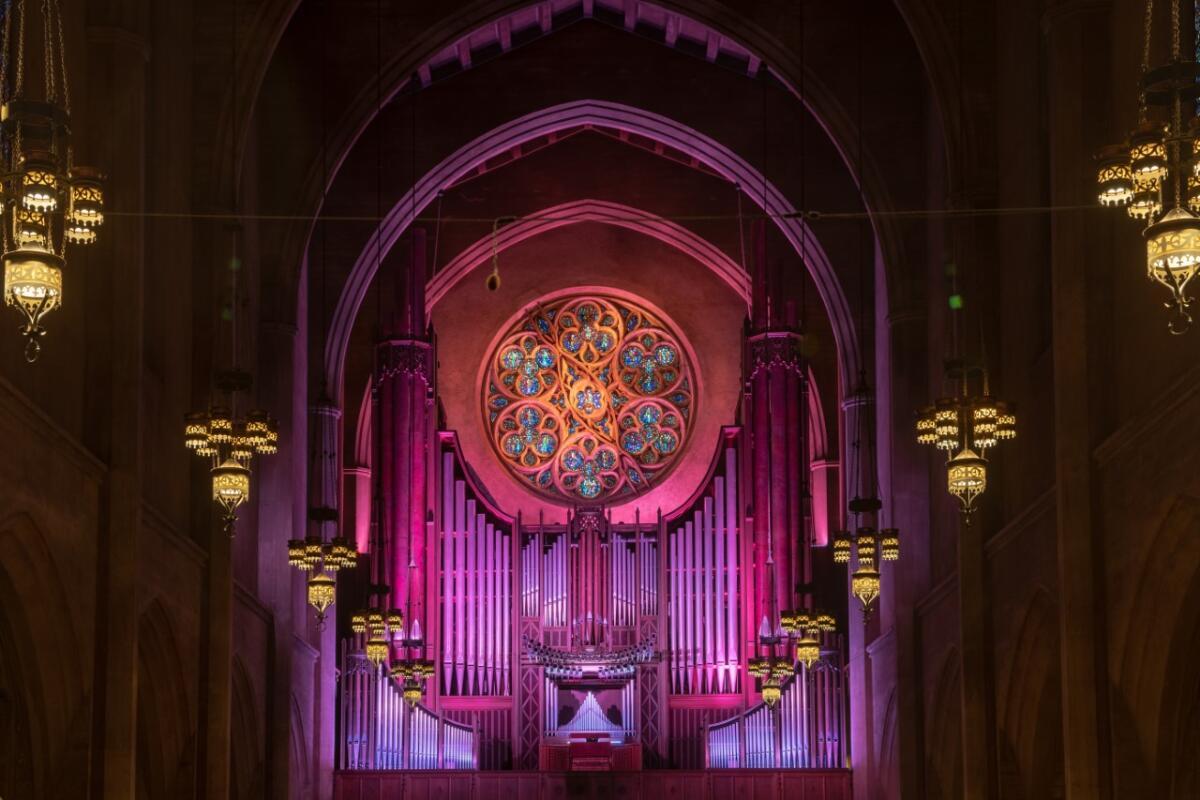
x=1152, y=642
x=245, y=738
x=727, y=35
x=608, y=213
x=704, y=149
x=16, y=768
x=943, y=733
x=300, y=775
x=40, y=647
x=165, y=737
x=1176, y=771
x=889, y=750
x=1030, y=707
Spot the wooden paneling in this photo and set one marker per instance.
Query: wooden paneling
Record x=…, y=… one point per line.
x=650, y=785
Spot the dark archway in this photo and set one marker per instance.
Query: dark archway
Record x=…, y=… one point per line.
x=165, y=737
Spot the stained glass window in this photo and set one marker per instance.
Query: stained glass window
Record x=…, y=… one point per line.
x=589, y=398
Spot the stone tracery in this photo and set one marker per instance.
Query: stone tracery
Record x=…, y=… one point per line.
x=588, y=398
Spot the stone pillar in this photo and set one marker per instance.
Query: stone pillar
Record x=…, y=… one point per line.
x=279, y=481
x=859, y=632
x=116, y=90
x=403, y=431
x=974, y=654
x=903, y=384
x=324, y=432
x=218, y=686
x=1077, y=42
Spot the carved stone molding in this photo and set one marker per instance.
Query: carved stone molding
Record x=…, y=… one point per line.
x=404, y=357
x=775, y=350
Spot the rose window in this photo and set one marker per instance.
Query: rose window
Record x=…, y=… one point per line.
x=589, y=398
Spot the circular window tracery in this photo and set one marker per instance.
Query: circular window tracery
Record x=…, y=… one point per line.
x=588, y=398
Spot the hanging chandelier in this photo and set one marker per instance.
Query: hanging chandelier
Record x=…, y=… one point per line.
x=805, y=627
x=379, y=629
x=965, y=427
x=230, y=442
x=47, y=201
x=322, y=591
x=411, y=669
x=322, y=560
x=312, y=554
x=1158, y=167
x=773, y=672
x=868, y=547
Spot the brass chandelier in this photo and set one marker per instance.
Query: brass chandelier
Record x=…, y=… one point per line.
x=412, y=674
x=773, y=672
x=1158, y=167
x=868, y=547
x=46, y=200
x=966, y=426
x=806, y=628
x=321, y=560
x=379, y=629
x=230, y=442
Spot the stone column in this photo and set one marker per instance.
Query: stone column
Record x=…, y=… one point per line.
x=1077, y=46
x=974, y=653
x=403, y=428
x=116, y=90
x=324, y=434
x=906, y=487
x=859, y=633
x=279, y=481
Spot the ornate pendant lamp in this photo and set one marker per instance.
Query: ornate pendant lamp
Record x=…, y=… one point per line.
x=379, y=629
x=47, y=201
x=868, y=547
x=1158, y=165
x=229, y=443
x=806, y=627
x=314, y=553
x=321, y=560
x=965, y=427
x=412, y=674
x=322, y=591
x=773, y=672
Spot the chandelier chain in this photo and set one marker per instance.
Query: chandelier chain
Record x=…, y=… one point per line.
x=62, y=61
x=48, y=61
x=1174, y=30
x=8, y=15
x=1141, y=89
x=19, y=88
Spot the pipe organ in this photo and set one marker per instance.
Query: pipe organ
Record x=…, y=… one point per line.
x=382, y=731
x=703, y=568
x=476, y=593
x=638, y=632
x=808, y=730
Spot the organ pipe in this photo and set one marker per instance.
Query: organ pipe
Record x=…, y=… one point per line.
x=476, y=594
x=702, y=568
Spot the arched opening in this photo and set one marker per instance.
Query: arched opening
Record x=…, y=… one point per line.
x=165, y=735
x=729, y=165
x=246, y=741
x=16, y=736
x=944, y=762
